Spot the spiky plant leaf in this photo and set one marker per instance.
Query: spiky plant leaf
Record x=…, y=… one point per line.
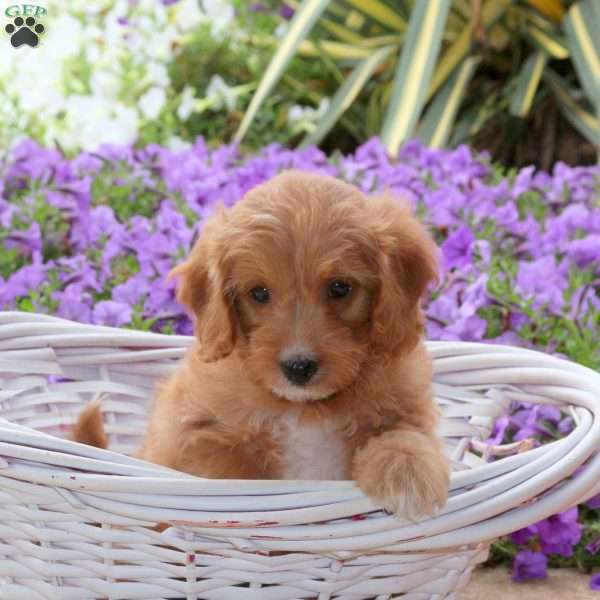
x=346, y=94
x=381, y=12
x=553, y=44
x=582, y=25
x=491, y=11
x=527, y=84
x=436, y=126
x=413, y=74
x=584, y=121
x=299, y=27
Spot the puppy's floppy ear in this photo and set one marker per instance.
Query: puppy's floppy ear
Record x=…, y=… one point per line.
x=408, y=262
x=202, y=290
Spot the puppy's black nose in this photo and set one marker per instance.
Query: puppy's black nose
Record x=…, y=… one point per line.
x=299, y=370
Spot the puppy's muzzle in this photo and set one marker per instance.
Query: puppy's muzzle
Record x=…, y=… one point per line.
x=299, y=370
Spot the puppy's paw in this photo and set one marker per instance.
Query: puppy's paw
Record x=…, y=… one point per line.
x=405, y=472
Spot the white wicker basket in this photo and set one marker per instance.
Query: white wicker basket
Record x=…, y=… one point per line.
x=76, y=522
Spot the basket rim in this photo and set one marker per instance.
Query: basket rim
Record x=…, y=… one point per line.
x=108, y=483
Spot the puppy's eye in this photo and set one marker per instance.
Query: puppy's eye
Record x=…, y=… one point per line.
x=260, y=294
x=338, y=289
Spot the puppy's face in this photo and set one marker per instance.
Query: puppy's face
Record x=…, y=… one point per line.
x=308, y=281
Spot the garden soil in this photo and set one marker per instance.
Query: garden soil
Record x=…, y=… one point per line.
x=561, y=584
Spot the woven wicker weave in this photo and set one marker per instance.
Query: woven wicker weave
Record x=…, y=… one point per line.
x=76, y=522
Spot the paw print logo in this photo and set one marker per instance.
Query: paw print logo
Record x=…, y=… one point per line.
x=24, y=31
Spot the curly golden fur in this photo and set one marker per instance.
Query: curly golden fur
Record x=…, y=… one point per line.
x=230, y=410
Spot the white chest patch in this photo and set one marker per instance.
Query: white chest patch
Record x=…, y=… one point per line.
x=315, y=451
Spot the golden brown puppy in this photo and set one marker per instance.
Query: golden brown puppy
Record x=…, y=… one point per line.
x=309, y=362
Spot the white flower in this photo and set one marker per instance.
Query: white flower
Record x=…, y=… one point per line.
x=105, y=83
x=91, y=61
x=281, y=30
x=220, y=13
x=220, y=93
x=157, y=74
x=176, y=144
x=91, y=121
x=186, y=14
x=63, y=38
x=152, y=102
x=304, y=118
x=186, y=104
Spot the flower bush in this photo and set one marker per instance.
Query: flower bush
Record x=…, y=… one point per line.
x=143, y=71
x=92, y=237
x=102, y=72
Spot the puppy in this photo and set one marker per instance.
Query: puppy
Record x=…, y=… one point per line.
x=309, y=361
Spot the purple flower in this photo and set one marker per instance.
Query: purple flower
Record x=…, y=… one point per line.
x=559, y=533
x=529, y=565
x=458, y=248
x=523, y=182
x=529, y=421
x=111, y=313
x=21, y=282
x=565, y=426
x=594, y=502
x=593, y=546
x=586, y=251
x=287, y=12
x=543, y=282
x=522, y=536
x=595, y=582
x=74, y=303
x=498, y=432
x=26, y=240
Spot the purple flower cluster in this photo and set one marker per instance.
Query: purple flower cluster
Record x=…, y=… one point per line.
x=92, y=238
x=557, y=534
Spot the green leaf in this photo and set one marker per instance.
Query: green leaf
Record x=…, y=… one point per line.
x=491, y=11
x=475, y=118
x=584, y=121
x=582, y=25
x=343, y=33
x=527, y=83
x=346, y=94
x=413, y=75
x=436, y=126
x=334, y=49
x=299, y=28
x=551, y=43
x=381, y=12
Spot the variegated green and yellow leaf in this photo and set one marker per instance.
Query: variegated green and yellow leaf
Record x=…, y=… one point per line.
x=474, y=118
x=540, y=22
x=491, y=11
x=584, y=121
x=299, y=27
x=374, y=111
x=346, y=94
x=437, y=124
x=527, y=84
x=550, y=42
x=381, y=40
x=413, y=74
x=463, y=8
x=334, y=49
x=582, y=25
x=343, y=33
x=381, y=12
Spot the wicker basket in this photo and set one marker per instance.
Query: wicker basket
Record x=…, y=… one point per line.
x=78, y=523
